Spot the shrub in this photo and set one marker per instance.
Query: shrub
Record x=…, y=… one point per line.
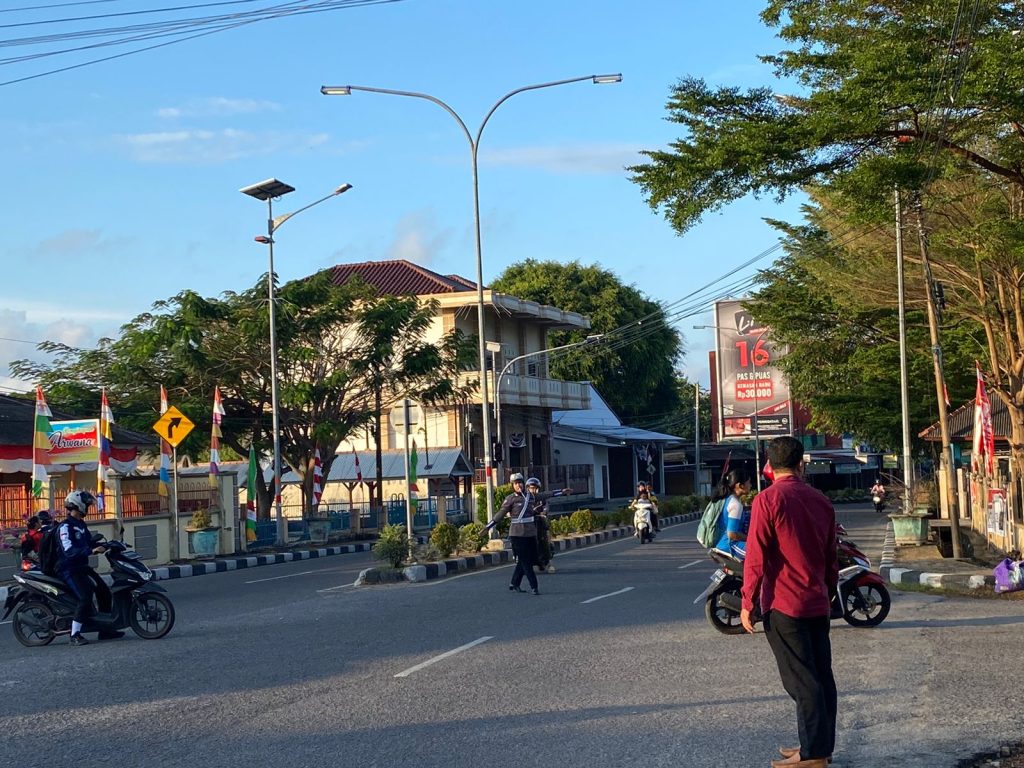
x=201, y=520
x=392, y=546
x=444, y=538
x=582, y=520
x=601, y=521
x=481, y=502
x=560, y=526
x=427, y=553
x=471, y=537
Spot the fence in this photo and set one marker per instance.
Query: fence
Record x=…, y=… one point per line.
x=551, y=476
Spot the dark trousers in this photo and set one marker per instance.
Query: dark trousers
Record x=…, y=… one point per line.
x=525, y=550
x=85, y=583
x=803, y=653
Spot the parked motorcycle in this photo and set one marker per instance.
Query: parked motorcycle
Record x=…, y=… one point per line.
x=44, y=606
x=642, y=526
x=863, y=600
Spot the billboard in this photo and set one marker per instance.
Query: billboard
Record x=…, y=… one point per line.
x=753, y=395
x=75, y=442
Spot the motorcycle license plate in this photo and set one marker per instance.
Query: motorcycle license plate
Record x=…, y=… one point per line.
x=717, y=579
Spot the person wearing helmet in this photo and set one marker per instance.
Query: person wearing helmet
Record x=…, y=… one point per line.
x=540, y=513
x=520, y=507
x=76, y=546
x=642, y=488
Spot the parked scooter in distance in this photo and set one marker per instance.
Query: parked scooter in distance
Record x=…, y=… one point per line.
x=43, y=606
x=642, y=527
x=862, y=599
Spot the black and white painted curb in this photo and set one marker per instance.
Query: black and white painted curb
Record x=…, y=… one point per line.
x=892, y=573
x=456, y=565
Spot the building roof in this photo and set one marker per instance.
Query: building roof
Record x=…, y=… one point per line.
x=400, y=278
x=961, y=423
x=443, y=463
x=17, y=425
x=599, y=425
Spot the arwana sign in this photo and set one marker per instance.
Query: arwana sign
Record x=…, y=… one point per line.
x=75, y=442
x=753, y=393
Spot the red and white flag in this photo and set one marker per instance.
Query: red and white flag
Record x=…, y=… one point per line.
x=318, y=479
x=983, y=450
x=359, y=472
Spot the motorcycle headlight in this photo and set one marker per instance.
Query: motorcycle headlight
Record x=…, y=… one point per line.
x=861, y=561
x=146, y=575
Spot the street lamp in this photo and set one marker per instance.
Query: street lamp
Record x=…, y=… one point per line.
x=754, y=416
x=269, y=190
x=593, y=339
x=474, y=145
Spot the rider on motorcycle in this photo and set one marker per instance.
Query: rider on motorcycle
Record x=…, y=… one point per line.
x=642, y=488
x=732, y=487
x=878, y=495
x=76, y=546
x=31, y=538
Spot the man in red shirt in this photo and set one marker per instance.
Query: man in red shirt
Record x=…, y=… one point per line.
x=792, y=569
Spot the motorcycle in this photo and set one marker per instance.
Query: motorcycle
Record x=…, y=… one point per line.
x=44, y=606
x=879, y=502
x=861, y=598
x=642, y=527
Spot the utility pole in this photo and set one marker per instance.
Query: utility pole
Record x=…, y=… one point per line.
x=908, y=468
x=933, y=330
x=696, y=437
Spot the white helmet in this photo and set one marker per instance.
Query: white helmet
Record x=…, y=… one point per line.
x=533, y=481
x=80, y=501
x=517, y=477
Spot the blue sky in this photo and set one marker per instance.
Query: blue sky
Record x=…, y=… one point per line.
x=123, y=177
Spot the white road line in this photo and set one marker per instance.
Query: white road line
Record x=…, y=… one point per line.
x=445, y=655
x=335, y=589
x=275, y=578
x=610, y=594
x=695, y=562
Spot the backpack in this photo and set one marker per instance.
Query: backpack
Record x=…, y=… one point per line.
x=49, y=551
x=707, y=529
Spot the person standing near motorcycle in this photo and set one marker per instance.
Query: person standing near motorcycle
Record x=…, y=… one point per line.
x=792, y=568
x=732, y=487
x=31, y=538
x=878, y=495
x=76, y=546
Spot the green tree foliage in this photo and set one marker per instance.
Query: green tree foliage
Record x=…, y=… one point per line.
x=333, y=344
x=636, y=378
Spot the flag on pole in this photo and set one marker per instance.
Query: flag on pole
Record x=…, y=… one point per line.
x=165, y=452
x=983, y=450
x=318, y=479
x=40, y=444
x=215, y=436
x=414, y=461
x=250, y=496
x=359, y=472
x=106, y=438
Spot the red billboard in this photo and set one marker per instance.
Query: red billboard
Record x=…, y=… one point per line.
x=753, y=395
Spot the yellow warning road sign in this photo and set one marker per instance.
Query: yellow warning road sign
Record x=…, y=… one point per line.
x=173, y=426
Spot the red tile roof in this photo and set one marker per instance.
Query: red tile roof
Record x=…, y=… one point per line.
x=400, y=278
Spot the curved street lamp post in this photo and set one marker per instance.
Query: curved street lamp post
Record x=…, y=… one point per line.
x=270, y=190
x=474, y=145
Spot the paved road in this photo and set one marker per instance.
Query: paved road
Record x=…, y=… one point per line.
x=612, y=665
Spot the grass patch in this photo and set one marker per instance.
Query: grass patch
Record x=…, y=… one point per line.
x=984, y=593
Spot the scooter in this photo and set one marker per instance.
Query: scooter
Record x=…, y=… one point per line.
x=642, y=527
x=879, y=502
x=43, y=606
x=861, y=598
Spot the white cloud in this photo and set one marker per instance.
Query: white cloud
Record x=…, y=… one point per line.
x=75, y=242
x=218, y=106
x=417, y=238
x=205, y=147
x=19, y=336
x=582, y=158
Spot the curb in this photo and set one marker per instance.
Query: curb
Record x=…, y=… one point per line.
x=454, y=565
x=889, y=571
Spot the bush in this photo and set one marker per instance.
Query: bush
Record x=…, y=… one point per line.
x=200, y=521
x=427, y=553
x=582, y=521
x=471, y=537
x=392, y=546
x=481, y=503
x=560, y=526
x=601, y=521
x=445, y=538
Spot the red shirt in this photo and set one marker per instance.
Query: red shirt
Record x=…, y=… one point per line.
x=791, y=558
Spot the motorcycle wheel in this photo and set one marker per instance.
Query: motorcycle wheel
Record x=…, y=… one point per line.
x=151, y=615
x=33, y=624
x=870, y=609
x=721, y=618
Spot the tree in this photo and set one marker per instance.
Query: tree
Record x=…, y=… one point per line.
x=633, y=370
x=328, y=342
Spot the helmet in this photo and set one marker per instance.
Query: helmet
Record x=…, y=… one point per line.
x=533, y=481
x=517, y=477
x=79, y=500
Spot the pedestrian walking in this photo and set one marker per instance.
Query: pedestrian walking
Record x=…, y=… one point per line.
x=792, y=569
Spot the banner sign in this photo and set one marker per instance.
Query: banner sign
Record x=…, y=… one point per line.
x=997, y=507
x=753, y=395
x=75, y=442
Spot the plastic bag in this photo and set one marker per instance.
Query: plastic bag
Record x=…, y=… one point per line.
x=1008, y=576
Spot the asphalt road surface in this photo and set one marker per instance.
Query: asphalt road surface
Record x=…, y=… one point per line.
x=612, y=665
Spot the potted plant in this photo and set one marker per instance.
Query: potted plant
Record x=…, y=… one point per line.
x=203, y=535
x=913, y=528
